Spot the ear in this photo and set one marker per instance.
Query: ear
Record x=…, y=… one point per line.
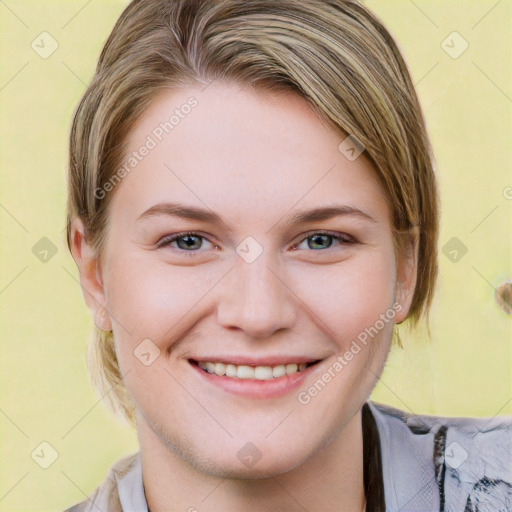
x=407, y=271
x=91, y=280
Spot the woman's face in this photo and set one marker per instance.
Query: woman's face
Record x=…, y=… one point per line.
x=268, y=277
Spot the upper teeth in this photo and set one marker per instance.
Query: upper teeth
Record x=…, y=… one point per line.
x=251, y=372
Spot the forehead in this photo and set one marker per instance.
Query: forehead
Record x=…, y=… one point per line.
x=241, y=151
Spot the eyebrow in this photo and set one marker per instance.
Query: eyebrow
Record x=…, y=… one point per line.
x=301, y=217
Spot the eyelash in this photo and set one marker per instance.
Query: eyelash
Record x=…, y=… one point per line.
x=343, y=239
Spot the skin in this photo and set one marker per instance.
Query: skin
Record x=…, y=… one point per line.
x=255, y=159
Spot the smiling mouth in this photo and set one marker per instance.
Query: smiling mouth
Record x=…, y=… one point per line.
x=247, y=372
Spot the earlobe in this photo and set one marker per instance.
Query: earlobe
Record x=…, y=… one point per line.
x=89, y=268
x=407, y=277
x=102, y=320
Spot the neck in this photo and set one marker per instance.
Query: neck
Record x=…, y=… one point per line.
x=331, y=480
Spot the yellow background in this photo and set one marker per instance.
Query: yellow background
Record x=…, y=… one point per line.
x=45, y=392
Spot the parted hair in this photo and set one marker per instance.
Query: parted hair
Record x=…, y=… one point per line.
x=336, y=54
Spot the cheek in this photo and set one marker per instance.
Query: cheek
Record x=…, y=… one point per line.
x=154, y=305
x=354, y=307
x=350, y=296
x=149, y=299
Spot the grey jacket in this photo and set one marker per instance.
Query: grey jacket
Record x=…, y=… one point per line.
x=429, y=464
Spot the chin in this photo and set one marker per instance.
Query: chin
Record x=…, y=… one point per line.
x=238, y=457
x=274, y=465
x=251, y=462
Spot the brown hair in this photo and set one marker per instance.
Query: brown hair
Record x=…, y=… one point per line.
x=336, y=54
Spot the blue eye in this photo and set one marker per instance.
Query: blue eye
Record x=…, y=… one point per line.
x=322, y=238
x=191, y=242
x=188, y=242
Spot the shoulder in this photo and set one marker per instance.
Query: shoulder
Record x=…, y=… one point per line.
x=106, y=495
x=470, y=459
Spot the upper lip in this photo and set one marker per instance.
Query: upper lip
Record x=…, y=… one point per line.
x=256, y=361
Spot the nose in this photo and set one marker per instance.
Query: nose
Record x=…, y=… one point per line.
x=256, y=299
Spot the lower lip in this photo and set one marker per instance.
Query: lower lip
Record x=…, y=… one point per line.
x=255, y=388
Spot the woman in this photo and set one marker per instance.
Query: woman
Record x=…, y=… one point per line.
x=253, y=209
